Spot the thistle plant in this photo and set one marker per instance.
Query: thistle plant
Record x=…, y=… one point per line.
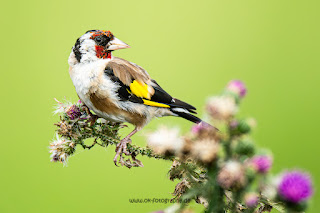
x=221, y=169
x=77, y=124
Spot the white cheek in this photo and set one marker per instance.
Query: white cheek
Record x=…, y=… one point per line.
x=88, y=51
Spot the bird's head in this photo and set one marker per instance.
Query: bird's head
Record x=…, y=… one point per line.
x=96, y=44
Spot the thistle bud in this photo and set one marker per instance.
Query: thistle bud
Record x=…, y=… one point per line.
x=239, y=127
x=244, y=147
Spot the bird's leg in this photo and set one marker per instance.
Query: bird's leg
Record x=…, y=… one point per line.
x=93, y=118
x=122, y=146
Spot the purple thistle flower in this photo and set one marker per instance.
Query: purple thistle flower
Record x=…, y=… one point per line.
x=233, y=124
x=197, y=128
x=237, y=87
x=295, y=186
x=251, y=200
x=73, y=112
x=262, y=163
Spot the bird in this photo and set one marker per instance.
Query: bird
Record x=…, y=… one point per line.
x=118, y=90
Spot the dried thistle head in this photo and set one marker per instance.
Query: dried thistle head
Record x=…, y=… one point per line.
x=61, y=149
x=65, y=129
x=180, y=189
x=165, y=141
x=203, y=150
x=232, y=176
x=221, y=107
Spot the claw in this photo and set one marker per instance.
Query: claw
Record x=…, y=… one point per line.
x=93, y=118
x=121, y=148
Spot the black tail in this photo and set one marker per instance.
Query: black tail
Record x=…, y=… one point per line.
x=184, y=110
x=183, y=104
x=194, y=119
x=187, y=116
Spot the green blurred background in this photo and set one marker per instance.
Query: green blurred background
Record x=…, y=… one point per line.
x=192, y=48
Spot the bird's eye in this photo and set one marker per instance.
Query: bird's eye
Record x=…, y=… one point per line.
x=98, y=39
x=101, y=40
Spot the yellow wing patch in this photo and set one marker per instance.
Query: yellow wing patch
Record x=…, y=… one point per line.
x=156, y=104
x=141, y=90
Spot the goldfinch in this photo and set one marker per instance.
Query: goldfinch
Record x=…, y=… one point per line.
x=118, y=90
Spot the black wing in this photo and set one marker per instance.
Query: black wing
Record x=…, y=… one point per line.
x=157, y=97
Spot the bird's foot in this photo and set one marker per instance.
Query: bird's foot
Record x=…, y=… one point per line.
x=121, y=148
x=92, y=118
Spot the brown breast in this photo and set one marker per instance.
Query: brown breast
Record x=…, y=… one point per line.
x=104, y=104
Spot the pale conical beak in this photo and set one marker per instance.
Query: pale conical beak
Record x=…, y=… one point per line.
x=116, y=44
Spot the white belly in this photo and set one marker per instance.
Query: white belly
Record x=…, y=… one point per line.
x=89, y=77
